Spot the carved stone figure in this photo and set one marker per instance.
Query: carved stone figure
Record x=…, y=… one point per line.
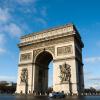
x=64, y=72
x=24, y=75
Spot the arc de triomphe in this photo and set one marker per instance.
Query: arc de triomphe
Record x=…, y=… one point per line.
x=63, y=46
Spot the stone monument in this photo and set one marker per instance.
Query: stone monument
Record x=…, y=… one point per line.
x=63, y=46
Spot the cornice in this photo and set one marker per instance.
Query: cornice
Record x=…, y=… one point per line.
x=46, y=39
x=47, y=30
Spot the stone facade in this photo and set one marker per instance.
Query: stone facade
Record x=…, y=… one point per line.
x=63, y=46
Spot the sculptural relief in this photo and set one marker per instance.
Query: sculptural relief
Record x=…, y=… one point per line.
x=65, y=73
x=64, y=50
x=46, y=43
x=24, y=75
x=25, y=56
x=49, y=33
x=37, y=51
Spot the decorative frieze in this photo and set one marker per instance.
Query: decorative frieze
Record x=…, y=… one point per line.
x=46, y=43
x=49, y=33
x=64, y=50
x=26, y=56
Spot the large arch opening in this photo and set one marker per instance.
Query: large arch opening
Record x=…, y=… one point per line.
x=42, y=63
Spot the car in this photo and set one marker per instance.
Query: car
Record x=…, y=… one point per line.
x=56, y=95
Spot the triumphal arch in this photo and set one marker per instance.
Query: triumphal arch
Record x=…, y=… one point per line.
x=61, y=45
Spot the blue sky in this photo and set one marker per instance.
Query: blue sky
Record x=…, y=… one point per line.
x=20, y=17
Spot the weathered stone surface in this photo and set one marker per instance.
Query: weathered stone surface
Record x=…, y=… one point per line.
x=63, y=46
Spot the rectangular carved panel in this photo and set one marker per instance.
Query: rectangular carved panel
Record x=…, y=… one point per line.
x=26, y=56
x=64, y=50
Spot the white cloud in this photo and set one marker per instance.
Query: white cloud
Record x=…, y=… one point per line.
x=92, y=81
x=4, y=15
x=13, y=29
x=94, y=78
x=95, y=85
x=26, y=1
x=7, y=78
x=29, y=11
x=2, y=42
x=92, y=59
x=6, y=26
x=2, y=39
x=41, y=21
x=2, y=50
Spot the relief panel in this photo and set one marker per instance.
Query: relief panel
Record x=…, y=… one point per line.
x=64, y=50
x=26, y=56
x=65, y=73
x=24, y=75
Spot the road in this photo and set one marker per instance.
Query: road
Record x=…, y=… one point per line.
x=10, y=97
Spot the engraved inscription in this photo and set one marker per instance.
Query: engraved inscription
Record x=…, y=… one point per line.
x=64, y=50
x=26, y=56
